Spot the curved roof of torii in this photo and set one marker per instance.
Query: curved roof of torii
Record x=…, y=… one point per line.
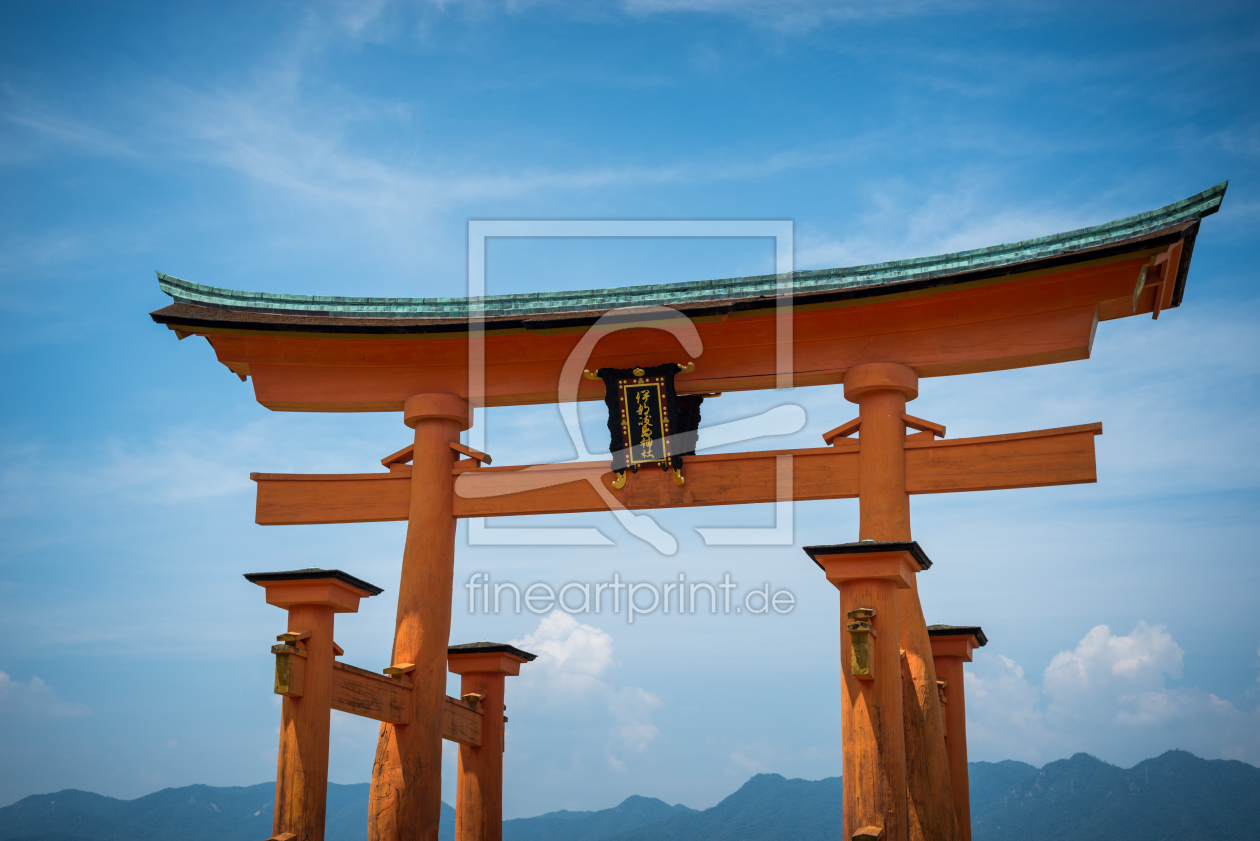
x=197, y=305
x=1034, y=302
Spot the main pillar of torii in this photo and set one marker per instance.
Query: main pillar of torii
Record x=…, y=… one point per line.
x=406, y=794
x=896, y=772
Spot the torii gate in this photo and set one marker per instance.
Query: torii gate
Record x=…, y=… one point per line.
x=877, y=329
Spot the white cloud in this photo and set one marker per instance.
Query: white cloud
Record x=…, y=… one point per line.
x=1108, y=696
x=568, y=652
x=36, y=699
x=567, y=680
x=1103, y=662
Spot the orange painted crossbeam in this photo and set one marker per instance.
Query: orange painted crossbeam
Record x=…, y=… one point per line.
x=369, y=695
x=1063, y=456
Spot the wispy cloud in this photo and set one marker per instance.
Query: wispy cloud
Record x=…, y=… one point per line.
x=35, y=699
x=785, y=16
x=797, y=15
x=897, y=222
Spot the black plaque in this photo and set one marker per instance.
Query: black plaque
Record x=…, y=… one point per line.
x=646, y=423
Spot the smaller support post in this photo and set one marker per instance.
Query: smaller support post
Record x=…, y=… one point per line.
x=951, y=647
x=479, y=785
x=869, y=574
x=304, y=676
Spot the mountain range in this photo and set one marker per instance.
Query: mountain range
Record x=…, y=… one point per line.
x=1174, y=796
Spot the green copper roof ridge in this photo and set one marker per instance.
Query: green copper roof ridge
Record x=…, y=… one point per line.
x=875, y=274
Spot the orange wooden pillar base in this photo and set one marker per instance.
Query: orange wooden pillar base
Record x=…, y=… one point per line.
x=304, y=676
x=951, y=647
x=868, y=575
x=479, y=786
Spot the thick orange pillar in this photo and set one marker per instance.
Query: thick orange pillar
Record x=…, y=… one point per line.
x=406, y=795
x=479, y=786
x=881, y=391
x=304, y=667
x=869, y=574
x=951, y=647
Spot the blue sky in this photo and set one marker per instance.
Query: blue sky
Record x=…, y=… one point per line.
x=342, y=149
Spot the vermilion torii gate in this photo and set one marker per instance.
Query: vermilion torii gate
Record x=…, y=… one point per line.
x=879, y=330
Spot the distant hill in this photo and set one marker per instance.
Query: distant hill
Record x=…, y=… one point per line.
x=1174, y=797
x=191, y=813
x=766, y=808
x=633, y=813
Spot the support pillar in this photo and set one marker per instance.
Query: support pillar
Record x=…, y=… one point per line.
x=406, y=794
x=951, y=647
x=479, y=786
x=304, y=676
x=881, y=391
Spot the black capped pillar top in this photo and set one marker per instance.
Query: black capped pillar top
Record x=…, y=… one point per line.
x=490, y=648
x=862, y=547
x=314, y=574
x=958, y=631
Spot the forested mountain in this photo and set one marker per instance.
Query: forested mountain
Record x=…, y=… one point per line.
x=1174, y=797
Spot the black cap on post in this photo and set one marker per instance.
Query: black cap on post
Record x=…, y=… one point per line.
x=958, y=631
x=490, y=648
x=866, y=546
x=314, y=574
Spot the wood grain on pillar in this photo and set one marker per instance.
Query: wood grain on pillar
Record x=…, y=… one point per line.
x=950, y=649
x=874, y=777
x=479, y=799
x=929, y=780
x=881, y=391
x=302, y=767
x=406, y=794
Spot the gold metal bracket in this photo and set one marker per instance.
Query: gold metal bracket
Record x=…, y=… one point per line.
x=290, y=663
x=620, y=481
x=862, y=643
